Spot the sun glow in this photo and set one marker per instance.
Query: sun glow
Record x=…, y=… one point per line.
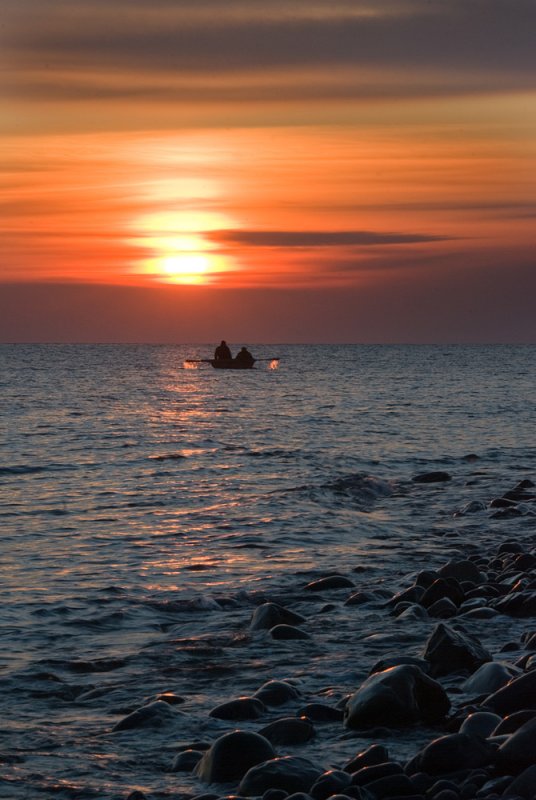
x=181, y=251
x=185, y=267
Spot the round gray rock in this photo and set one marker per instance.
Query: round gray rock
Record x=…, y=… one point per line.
x=290, y=773
x=232, y=755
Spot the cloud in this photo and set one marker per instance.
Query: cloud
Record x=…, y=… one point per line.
x=306, y=239
x=360, y=50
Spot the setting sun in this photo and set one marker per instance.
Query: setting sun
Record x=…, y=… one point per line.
x=190, y=268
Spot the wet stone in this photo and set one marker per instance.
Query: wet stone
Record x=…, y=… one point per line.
x=330, y=783
x=450, y=651
x=232, y=755
x=291, y=773
x=268, y=615
x=517, y=695
x=153, y=715
x=375, y=754
x=276, y=693
x=451, y=753
x=319, y=712
x=242, y=708
x=398, y=696
x=288, y=632
x=330, y=582
x=186, y=761
x=288, y=731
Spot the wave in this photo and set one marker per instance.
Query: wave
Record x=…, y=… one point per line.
x=361, y=489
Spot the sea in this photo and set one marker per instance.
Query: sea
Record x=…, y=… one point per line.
x=148, y=509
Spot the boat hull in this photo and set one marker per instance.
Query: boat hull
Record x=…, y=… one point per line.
x=230, y=363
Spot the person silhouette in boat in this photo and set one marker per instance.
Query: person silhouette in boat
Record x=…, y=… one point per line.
x=244, y=357
x=222, y=351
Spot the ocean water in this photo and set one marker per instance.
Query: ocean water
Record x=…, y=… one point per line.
x=146, y=510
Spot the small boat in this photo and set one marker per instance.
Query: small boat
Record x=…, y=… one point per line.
x=230, y=363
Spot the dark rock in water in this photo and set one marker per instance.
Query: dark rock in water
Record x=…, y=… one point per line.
x=329, y=783
x=519, y=750
x=396, y=661
x=319, y=712
x=514, y=721
x=375, y=754
x=171, y=698
x=288, y=632
x=489, y=678
x=240, y=709
x=232, y=755
x=517, y=604
x=360, y=598
x=288, y=731
x=330, y=582
x=268, y=615
x=524, y=785
x=376, y=771
x=451, y=754
x=443, y=609
x=510, y=547
x=481, y=723
x=293, y=796
x=462, y=570
x=275, y=794
x=186, y=761
x=443, y=588
x=450, y=651
x=276, y=693
x=412, y=594
x=425, y=578
x=398, y=696
x=432, y=477
x=391, y=786
x=291, y=773
x=517, y=695
x=154, y=715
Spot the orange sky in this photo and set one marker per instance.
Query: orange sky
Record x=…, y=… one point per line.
x=327, y=152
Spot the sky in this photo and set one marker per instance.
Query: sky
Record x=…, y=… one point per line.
x=268, y=171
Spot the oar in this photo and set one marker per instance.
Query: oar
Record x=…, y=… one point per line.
x=199, y=360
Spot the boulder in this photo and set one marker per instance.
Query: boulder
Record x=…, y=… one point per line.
x=481, y=723
x=288, y=731
x=398, y=696
x=451, y=754
x=519, y=751
x=288, y=632
x=186, y=761
x=450, y=651
x=462, y=570
x=153, y=715
x=232, y=755
x=443, y=588
x=431, y=477
x=291, y=773
x=330, y=582
x=523, y=786
x=489, y=678
x=276, y=693
x=374, y=754
x=517, y=695
x=267, y=615
x=240, y=709
x=319, y=712
x=334, y=781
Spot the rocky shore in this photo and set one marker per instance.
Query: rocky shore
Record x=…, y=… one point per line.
x=472, y=707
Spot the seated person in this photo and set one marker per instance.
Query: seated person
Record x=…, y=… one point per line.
x=222, y=351
x=245, y=357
